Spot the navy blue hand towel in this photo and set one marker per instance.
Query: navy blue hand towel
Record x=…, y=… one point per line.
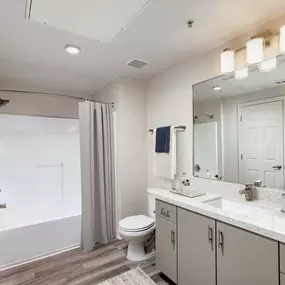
x=162, y=140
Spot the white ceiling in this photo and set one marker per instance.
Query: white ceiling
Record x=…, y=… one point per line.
x=230, y=87
x=32, y=55
x=101, y=20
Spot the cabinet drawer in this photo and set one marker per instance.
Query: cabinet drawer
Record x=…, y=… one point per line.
x=165, y=210
x=282, y=257
x=282, y=279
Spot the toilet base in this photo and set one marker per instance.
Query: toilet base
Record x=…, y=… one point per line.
x=136, y=251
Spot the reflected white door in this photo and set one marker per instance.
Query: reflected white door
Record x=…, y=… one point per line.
x=261, y=144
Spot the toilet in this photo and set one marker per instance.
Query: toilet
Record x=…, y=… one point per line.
x=136, y=230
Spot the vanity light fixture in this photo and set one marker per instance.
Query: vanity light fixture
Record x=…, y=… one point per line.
x=255, y=50
x=268, y=65
x=74, y=50
x=227, y=61
x=217, y=88
x=241, y=74
x=282, y=39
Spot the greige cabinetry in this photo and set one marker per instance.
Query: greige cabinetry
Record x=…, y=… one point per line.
x=192, y=249
x=196, y=249
x=245, y=258
x=166, y=239
x=282, y=264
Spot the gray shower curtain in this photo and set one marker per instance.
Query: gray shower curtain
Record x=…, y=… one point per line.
x=97, y=174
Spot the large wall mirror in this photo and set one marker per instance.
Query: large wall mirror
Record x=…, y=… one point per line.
x=239, y=128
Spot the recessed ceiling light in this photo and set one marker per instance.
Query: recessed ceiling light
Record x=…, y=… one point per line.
x=217, y=88
x=74, y=50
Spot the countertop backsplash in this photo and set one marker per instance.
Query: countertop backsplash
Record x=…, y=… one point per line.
x=225, y=189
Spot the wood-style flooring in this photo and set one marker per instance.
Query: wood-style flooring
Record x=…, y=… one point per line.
x=77, y=268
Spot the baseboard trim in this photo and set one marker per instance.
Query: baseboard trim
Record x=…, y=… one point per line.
x=38, y=257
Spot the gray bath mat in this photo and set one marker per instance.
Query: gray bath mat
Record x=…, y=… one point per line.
x=132, y=277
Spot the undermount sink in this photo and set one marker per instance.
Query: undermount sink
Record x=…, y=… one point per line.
x=238, y=208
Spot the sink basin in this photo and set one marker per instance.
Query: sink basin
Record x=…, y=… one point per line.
x=238, y=208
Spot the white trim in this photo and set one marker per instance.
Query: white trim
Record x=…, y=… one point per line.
x=252, y=103
x=38, y=257
x=262, y=101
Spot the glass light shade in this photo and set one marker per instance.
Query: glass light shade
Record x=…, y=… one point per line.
x=241, y=73
x=254, y=50
x=268, y=65
x=227, y=61
x=282, y=39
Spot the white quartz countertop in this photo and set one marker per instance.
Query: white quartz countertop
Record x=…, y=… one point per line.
x=271, y=225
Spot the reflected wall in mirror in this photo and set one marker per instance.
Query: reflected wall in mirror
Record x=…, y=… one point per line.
x=239, y=128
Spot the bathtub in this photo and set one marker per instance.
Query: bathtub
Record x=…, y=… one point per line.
x=26, y=242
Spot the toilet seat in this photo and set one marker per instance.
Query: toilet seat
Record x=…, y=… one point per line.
x=134, y=224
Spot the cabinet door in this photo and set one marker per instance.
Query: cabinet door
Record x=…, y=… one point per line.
x=196, y=249
x=245, y=258
x=282, y=279
x=166, y=255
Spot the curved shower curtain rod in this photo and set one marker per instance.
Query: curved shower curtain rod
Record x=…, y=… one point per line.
x=56, y=94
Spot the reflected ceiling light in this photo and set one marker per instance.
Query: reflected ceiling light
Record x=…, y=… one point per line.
x=254, y=50
x=282, y=39
x=268, y=65
x=74, y=50
x=217, y=88
x=241, y=73
x=227, y=61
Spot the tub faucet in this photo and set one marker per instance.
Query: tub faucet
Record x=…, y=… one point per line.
x=3, y=206
x=248, y=192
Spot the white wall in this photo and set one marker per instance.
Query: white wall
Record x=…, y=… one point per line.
x=130, y=105
x=169, y=102
x=169, y=98
x=39, y=105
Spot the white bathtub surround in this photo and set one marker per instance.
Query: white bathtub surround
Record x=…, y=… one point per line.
x=98, y=174
x=270, y=224
x=29, y=243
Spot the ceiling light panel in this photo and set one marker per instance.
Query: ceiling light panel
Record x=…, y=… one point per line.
x=102, y=20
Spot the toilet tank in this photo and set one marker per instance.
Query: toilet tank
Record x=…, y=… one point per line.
x=151, y=206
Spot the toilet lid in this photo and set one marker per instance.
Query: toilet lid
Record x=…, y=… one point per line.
x=136, y=223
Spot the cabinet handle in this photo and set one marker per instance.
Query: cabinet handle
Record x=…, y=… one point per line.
x=164, y=212
x=210, y=236
x=173, y=238
x=221, y=241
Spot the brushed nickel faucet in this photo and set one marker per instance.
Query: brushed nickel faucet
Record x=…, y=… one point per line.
x=282, y=200
x=248, y=192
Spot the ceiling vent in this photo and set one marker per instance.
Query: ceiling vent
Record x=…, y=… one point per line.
x=137, y=63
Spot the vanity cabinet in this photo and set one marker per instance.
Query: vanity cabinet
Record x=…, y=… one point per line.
x=166, y=239
x=196, y=249
x=245, y=258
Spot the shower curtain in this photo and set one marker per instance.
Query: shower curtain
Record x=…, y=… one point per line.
x=97, y=174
